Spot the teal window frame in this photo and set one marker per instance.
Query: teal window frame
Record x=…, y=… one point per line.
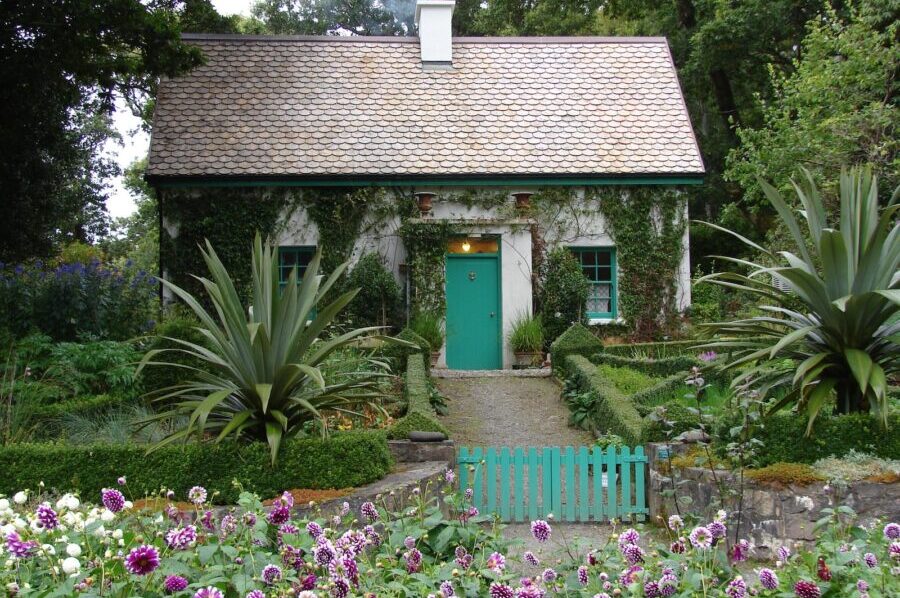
x=596, y=280
x=284, y=270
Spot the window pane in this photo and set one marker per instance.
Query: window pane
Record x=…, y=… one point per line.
x=288, y=258
x=599, y=301
x=588, y=258
x=590, y=273
x=603, y=258
x=604, y=273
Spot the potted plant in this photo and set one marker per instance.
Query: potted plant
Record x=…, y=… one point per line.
x=527, y=340
x=428, y=326
x=424, y=201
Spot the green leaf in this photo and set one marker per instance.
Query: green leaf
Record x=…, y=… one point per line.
x=861, y=365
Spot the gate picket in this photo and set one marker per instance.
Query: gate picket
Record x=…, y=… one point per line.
x=598, y=484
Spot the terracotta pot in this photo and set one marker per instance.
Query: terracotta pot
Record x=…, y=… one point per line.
x=529, y=359
x=435, y=355
x=523, y=201
x=423, y=200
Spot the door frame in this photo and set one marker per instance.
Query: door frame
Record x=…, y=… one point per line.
x=491, y=256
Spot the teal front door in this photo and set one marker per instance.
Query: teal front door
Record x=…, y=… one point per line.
x=473, y=312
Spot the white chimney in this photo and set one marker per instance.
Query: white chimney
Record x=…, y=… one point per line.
x=433, y=18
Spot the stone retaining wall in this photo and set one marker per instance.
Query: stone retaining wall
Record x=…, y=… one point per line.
x=771, y=516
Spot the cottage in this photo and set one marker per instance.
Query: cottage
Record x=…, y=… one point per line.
x=460, y=161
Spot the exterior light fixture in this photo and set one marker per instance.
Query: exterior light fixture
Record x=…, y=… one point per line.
x=466, y=246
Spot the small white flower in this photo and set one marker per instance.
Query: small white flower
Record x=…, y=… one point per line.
x=71, y=566
x=36, y=526
x=721, y=515
x=121, y=542
x=73, y=550
x=108, y=554
x=117, y=534
x=20, y=498
x=107, y=515
x=49, y=549
x=4, y=504
x=100, y=531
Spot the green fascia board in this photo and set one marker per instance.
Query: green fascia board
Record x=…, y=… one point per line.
x=549, y=181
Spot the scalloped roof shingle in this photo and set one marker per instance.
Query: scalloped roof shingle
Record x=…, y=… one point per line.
x=299, y=106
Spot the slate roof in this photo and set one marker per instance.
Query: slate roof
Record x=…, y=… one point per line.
x=273, y=106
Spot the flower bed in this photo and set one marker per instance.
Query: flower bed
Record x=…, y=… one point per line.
x=67, y=547
x=343, y=460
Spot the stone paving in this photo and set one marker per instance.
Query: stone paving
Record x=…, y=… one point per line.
x=508, y=411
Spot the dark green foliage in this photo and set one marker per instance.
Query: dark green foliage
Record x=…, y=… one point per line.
x=181, y=325
x=563, y=294
x=341, y=461
x=614, y=412
x=647, y=225
x=709, y=302
x=428, y=326
x=581, y=404
x=62, y=65
x=668, y=389
x=227, y=217
x=71, y=301
x=577, y=340
x=782, y=437
x=397, y=355
x=653, y=350
x=667, y=366
x=667, y=421
x=629, y=381
x=47, y=416
x=315, y=17
x=378, y=302
x=420, y=414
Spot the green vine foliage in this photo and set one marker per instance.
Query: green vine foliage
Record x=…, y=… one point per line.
x=229, y=218
x=647, y=225
x=378, y=302
x=426, y=244
x=564, y=293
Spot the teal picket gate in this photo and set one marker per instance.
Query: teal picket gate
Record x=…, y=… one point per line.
x=574, y=484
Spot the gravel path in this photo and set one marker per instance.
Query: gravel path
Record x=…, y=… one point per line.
x=501, y=411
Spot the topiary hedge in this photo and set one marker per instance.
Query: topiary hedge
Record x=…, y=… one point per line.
x=783, y=437
x=577, y=340
x=614, y=411
x=345, y=459
x=667, y=366
x=420, y=415
x=397, y=355
x=654, y=350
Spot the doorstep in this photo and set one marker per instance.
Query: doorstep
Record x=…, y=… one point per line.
x=453, y=374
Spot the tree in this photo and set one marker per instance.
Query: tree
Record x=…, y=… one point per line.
x=330, y=17
x=136, y=237
x=62, y=64
x=840, y=105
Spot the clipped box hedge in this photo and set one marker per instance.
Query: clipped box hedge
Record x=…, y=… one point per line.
x=420, y=415
x=577, y=340
x=661, y=368
x=343, y=460
x=783, y=437
x=654, y=350
x=614, y=411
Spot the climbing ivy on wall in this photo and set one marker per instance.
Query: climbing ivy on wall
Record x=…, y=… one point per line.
x=647, y=225
x=229, y=218
x=426, y=246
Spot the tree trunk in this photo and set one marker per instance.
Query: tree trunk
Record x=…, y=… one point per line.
x=725, y=99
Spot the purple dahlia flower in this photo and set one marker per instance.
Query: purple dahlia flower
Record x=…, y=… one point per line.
x=701, y=537
x=529, y=558
x=197, y=495
x=271, y=574
x=894, y=550
x=768, y=579
x=175, y=583
x=447, y=587
x=142, y=560
x=736, y=588
x=496, y=562
x=668, y=584
x=368, y=511
x=181, y=538
x=549, y=575
x=47, y=516
x=314, y=529
x=501, y=590
x=717, y=529
x=807, y=589
x=651, y=589
x=19, y=548
x=209, y=592
x=583, y=575
x=112, y=499
x=629, y=536
x=870, y=560
x=541, y=530
x=892, y=531
x=633, y=554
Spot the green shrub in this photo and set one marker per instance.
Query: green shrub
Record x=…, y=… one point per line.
x=378, y=300
x=396, y=355
x=708, y=301
x=97, y=367
x=563, y=295
x=181, y=325
x=527, y=334
x=785, y=474
x=420, y=415
x=577, y=340
x=665, y=422
x=670, y=389
x=614, y=413
x=627, y=380
x=341, y=461
x=428, y=326
x=782, y=437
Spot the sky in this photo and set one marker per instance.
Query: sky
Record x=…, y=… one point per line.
x=134, y=141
